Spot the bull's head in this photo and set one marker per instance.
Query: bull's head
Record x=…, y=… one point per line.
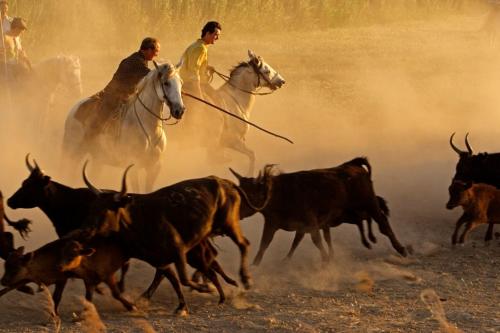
x=105, y=211
x=465, y=166
x=33, y=189
x=72, y=254
x=458, y=193
x=257, y=190
x=16, y=267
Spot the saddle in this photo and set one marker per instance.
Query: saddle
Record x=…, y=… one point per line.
x=99, y=121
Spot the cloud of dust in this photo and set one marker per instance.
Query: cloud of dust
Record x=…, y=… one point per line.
x=433, y=303
x=393, y=93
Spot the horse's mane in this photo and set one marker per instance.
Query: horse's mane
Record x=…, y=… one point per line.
x=235, y=69
x=170, y=70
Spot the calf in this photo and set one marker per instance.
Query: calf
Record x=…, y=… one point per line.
x=203, y=254
x=481, y=205
x=355, y=218
x=59, y=260
x=307, y=201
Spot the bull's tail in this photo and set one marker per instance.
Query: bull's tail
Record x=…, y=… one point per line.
x=361, y=162
x=383, y=206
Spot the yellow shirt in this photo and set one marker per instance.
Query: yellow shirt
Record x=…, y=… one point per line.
x=194, y=63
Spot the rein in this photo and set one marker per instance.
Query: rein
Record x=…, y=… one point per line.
x=237, y=117
x=259, y=74
x=160, y=118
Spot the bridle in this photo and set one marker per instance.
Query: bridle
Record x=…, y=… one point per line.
x=165, y=100
x=258, y=70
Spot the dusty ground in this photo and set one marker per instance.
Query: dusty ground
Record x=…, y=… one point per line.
x=393, y=93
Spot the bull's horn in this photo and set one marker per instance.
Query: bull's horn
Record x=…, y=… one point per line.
x=28, y=164
x=123, y=191
x=467, y=144
x=87, y=182
x=237, y=175
x=156, y=64
x=458, y=151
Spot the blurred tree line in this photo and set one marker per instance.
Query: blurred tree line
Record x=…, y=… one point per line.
x=74, y=24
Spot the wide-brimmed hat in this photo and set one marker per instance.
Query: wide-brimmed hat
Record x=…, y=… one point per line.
x=18, y=23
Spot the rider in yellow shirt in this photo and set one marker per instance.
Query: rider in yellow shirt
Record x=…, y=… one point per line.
x=195, y=71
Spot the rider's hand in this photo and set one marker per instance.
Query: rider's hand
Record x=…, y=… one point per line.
x=210, y=70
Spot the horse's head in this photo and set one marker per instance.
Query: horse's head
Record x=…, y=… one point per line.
x=70, y=74
x=170, y=88
x=270, y=77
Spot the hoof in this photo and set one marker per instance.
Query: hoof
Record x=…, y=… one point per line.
x=247, y=284
x=181, y=311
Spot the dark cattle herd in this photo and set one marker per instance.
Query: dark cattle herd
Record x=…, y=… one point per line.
x=172, y=228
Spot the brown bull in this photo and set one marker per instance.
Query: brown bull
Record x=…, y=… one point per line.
x=481, y=205
x=308, y=201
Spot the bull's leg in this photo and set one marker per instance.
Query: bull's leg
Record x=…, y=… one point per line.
x=371, y=236
x=218, y=269
x=170, y=275
x=210, y=274
x=316, y=238
x=89, y=290
x=468, y=227
x=57, y=295
x=243, y=244
x=385, y=228
x=489, y=233
x=361, y=228
x=299, y=235
x=115, y=291
x=180, y=265
x=328, y=240
x=463, y=219
x=267, y=237
x=121, y=283
x=159, y=275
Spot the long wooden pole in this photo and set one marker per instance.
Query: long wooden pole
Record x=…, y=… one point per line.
x=5, y=88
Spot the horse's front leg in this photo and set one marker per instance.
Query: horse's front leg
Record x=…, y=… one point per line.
x=237, y=143
x=152, y=172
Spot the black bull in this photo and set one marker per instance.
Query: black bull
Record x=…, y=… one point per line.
x=308, y=201
x=479, y=168
x=161, y=227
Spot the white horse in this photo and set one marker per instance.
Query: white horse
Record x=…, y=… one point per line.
x=139, y=137
x=237, y=96
x=47, y=81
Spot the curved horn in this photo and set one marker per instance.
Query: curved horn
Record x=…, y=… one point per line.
x=156, y=64
x=467, y=144
x=458, y=151
x=28, y=164
x=123, y=191
x=237, y=175
x=87, y=182
x=36, y=165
